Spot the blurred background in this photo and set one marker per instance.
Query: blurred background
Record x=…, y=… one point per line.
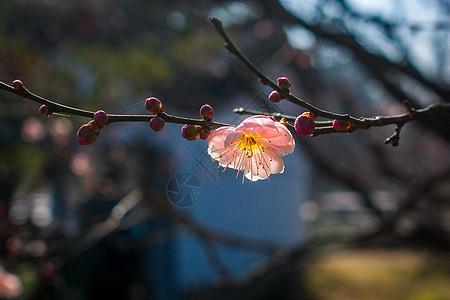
x=146, y=215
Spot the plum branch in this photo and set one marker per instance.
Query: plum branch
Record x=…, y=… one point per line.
x=233, y=49
x=305, y=124
x=57, y=107
x=324, y=127
x=341, y=122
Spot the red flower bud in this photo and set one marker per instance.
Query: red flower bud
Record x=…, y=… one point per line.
x=101, y=118
x=88, y=133
x=157, y=123
x=45, y=110
x=153, y=105
x=191, y=132
x=341, y=125
x=304, y=124
x=275, y=97
x=205, y=133
x=18, y=85
x=284, y=83
x=207, y=112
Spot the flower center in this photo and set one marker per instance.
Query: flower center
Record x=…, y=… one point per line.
x=249, y=143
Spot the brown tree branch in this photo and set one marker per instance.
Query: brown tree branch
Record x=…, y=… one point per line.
x=429, y=112
x=61, y=108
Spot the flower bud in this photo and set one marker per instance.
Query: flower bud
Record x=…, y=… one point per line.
x=205, y=133
x=191, y=132
x=153, y=105
x=18, y=85
x=275, y=97
x=45, y=110
x=284, y=83
x=341, y=125
x=101, y=118
x=88, y=133
x=284, y=122
x=157, y=123
x=304, y=124
x=207, y=112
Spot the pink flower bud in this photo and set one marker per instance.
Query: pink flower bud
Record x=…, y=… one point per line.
x=45, y=110
x=304, y=124
x=275, y=97
x=191, y=132
x=284, y=83
x=207, y=112
x=341, y=125
x=153, y=105
x=88, y=133
x=157, y=123
x=101, y=118
x=205, y=133
x=18, y=85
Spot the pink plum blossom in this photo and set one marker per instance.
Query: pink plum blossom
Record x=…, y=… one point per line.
x=254, y=147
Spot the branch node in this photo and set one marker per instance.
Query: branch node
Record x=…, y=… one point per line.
x=395, y=138
x=227, y=46
x=216, y=23
x=409, y=106
x=264, y=81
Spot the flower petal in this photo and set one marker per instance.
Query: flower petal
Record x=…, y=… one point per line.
x=217, y=140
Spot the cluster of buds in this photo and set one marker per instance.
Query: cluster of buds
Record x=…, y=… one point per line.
x=154, y=106
x=194, y=132
x=87, y=134
x=283, y=83
x=304, y=123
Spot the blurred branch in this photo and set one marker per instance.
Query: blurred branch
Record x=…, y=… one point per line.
x=209, y=235
x=111, y=224
x=277, y=262
x=375, y=64
x=405, y=66
x=417, y=189
x=215, y=261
